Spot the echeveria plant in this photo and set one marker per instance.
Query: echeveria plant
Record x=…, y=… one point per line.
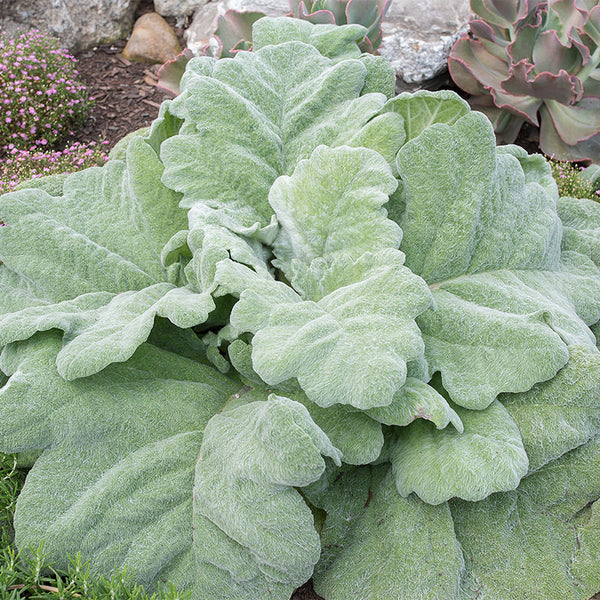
x=234, y=28
x=369, y=13
x=303, y=328
x=535, y=61
x=233, y=33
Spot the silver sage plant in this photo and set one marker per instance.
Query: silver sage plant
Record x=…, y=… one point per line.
x=303, y=328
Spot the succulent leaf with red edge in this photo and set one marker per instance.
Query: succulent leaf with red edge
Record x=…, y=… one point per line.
x=169, y=75
x=369, y=13
x=233, y=33
x=535, y=61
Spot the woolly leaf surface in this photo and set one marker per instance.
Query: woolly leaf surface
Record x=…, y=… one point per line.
x=581, y=220
x=125, y=322
x=540, y=541
x=378, y=544
x=561, y=414
x=251, y=456
x=417, y=400
x=264, y=111
x=334, y=41
x=101, y=443
x=364, y=330
x=493, y=260
x=109, y=227
x=357, y=436
x=127, y=469
x=441, y=464
x=343, y=212
x=422, y=109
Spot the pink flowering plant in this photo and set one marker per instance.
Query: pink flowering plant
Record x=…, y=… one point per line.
x=573, y=181
x=21, y=165
x=42, y=99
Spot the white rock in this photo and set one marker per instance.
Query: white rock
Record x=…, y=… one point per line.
x=418, y=35
x=177, y=8
x=78, y=24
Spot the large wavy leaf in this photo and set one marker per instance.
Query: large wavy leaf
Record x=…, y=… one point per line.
x=361, y=301
x=123, y=447
x=488, y=456
x=251, y=522
x=109, y=229
x=581, y=220
x=377, y=544
x=424, y=108
x=89, y=427
x=264, y=111
x=342, y=215
x=417, y=400
x=561, y=414
x=338, y=42
x=350, y=347
x=334, y=41
x=357, y=436
x=492, y=258
x=540, y=542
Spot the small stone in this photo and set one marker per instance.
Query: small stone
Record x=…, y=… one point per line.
x=152, y=40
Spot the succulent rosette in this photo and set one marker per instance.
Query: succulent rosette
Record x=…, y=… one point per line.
x=535, y=62
x=234, y=28
x=369, y=13
x=304, y=328
x=234, y=31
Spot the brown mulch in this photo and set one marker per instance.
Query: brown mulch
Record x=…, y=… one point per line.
x=125, y=93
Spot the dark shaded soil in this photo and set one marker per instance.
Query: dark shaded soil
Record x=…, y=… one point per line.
x=125, y=94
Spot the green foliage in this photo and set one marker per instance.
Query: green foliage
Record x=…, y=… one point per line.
x=536, y=62
x=308, y=329
x=30, y=575
x=41, y=96
x=572, y=181
x=11, y=482
x=19, y=166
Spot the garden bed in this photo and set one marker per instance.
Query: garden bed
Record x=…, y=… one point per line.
x=127, y=99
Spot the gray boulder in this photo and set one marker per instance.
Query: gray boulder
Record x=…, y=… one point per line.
x=78, y=24
x=418, y=35
x=177, y=8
